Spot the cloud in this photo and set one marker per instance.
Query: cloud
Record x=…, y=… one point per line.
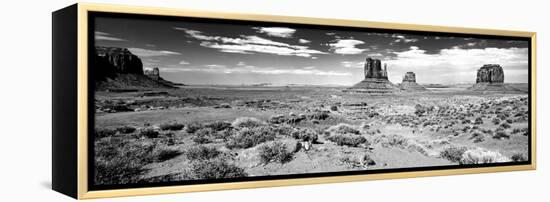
x=304, y=41
x=282, y=32
x=243, y=68
x=249, y=45
x=183, y=62
x=402, y=38
x=151, y=53
x=103, y=36
x=457, y=64
x=350, y=64
x=346, y=46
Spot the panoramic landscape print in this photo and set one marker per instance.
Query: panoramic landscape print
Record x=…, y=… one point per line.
x=181, y=101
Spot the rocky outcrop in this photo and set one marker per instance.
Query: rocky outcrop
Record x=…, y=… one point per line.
x=490, y=73
x=375, y=80
x=117, y=69
x=409, y=77
x=152, y=73
x=409, y=83
x=373, y=69
x=490, y=77
x=121, y=60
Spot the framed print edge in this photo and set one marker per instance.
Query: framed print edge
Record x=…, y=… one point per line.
x=83, y=191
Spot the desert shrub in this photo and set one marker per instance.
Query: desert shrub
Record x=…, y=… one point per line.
x=287, y=119
x=509, y=121
x=305, y=135
x=466, y=121
x=419, y=110
x=347, y=139
x=359, y=162
x=343, y=128
x=480, y=156
x=333, y=108
x=477, y=137
x=478, y=121
x=125, y=129
x=164, y=153
x=501, y=134
x=104, y=132
x=171, y=126
x=505, y=125
x=247, y=122
x=518, y=157
x=397, y=141
x=274, y=152
x=202, y=136
x=202, y=153
x=120, y=161
x=452, y=153
x=524, y=131
x=249, y=137
x=496, y=121
x=218, y=125
x=215, y=169
x=149, y=133
x=284, y=130
x=193, y=127
x=320, y=115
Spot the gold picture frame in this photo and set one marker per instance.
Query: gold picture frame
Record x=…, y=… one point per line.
x=77, y=186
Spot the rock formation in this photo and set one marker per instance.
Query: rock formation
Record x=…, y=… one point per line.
x=118, y=69
x=409, y=77
x=490, y=73
x=409, y=83
x=152, y=73
x=375, y=80
x=121, y=60
x=490, y=77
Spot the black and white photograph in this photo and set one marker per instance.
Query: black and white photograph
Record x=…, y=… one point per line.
x=190, y=99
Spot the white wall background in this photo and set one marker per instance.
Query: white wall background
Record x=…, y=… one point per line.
x=25, y=104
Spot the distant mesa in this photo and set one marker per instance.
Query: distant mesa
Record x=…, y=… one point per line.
x=490, y=73
x=153, y=73
x=409, y=77
x=118, y=69
x=409, y=83
x=376, y=79
x=490, y=77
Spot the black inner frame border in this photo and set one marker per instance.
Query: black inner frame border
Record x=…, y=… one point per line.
x=92, y=15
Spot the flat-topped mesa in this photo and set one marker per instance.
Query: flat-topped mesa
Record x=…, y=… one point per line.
x=490, y=77
x=123, y=61
x=373, y=69
x=409, y=77
x=375, y=79
x=152, y=73
x=409, y=83
x=490, y=73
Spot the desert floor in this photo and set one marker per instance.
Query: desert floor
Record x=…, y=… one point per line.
x=199, y=132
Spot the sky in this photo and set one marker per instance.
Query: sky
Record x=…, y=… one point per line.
x=226, y=53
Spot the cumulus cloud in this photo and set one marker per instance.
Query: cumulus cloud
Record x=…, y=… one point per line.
x=106, y=37
x=346, y=46
x=249, y=45
x=283, y=32
x=304, y=41
x=457, y=64
x=351, y=64
x=244, y=68
x=151, y=53
x=402, y=38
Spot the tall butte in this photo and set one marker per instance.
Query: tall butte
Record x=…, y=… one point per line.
x=490, y=77
x=409, y=83
x=376, y=79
